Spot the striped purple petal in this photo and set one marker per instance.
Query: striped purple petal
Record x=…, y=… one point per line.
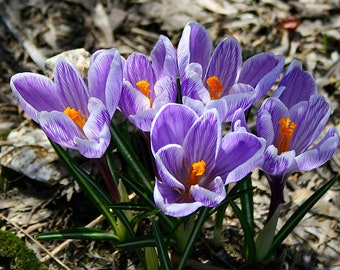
x=191, y=51
x=71, y=85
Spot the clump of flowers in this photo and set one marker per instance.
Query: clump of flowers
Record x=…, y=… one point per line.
x=193, y=104
x=291, y=121
x=70, y=113
x=194, y=161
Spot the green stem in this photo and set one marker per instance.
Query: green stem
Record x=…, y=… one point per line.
x=110, y=183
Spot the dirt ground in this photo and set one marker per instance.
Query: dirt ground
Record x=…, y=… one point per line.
x=36, y=193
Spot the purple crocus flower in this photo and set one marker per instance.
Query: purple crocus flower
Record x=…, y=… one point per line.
x=149, y=85
x=220, y=80
x=70, y=113
x=290, y=122
x=194, y=162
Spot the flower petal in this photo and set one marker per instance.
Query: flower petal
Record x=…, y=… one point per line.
x=169, y=201
x=296, y=85
x=234, y=102
x=105, y=78
x=319, y=154
x=261, y=72
x=164, y=58
x=238, y=122
x=36, y=93
x=211, y=196
x=92, y=148
x=310, y=119
x=239, y=153
x=203, y=139
x=60, y=128
x=137, y=68
x=274, y=164
x=98, y=121
x=165, y=91
x=71, y=85
x=143, y=119
x=269, y=114
x=225, y=62
x=194, y=47
x=196, y=105
x=132, y=101
x=192, y=85
x=171, y=125
x=170, y=166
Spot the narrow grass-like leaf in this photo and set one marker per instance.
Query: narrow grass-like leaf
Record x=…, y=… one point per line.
x=249, y=243
x=132, y=206
x=204, y=213
x=128, y=153
x=291, y=223
x=79, y=233
x=161, y=247
x=247, y=203
x=151, y=258
x=220, y=214
x=92, y=190
x=145, y=197
x=265, y=237
x=139, y=217
x=137, y=242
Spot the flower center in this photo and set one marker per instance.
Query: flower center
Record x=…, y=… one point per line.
x=196, y=172
x=77, y=117
x=215, y=86
x=286, y=130
x=143, y=86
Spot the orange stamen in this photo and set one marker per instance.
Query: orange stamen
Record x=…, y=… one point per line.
x=77, y=117
x=143, y=86
x=196, y=172
x=286, y=130
x=216, y=88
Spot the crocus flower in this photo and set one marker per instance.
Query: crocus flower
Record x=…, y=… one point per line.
x=70, y=113
x=220, y=80
x=149, y=85
x=290, y=122
x=194, y=162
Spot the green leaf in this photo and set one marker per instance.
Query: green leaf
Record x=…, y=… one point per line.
x=249, y=243
x=92, y=190
x=265, y=237
x=79, y=233
x=145, y=197
x=151, y=258
x=126, y=150
x=247, y=202
x=137, y=242
x=300, y=213
x=202, y=217
x=161, y=247
x=220, y=214
x=139, y=217
x=131, y=206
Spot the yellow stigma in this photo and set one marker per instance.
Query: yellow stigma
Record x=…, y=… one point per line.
x=215, y=86
x=196, y=172
x=77, y=117
x=286, y=130
x=143, y=86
